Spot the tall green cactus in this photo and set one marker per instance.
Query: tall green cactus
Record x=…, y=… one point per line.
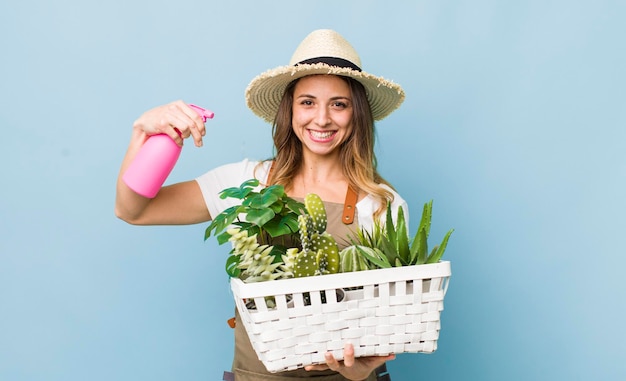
x=320, y=254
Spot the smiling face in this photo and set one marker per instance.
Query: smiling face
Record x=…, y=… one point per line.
x=322, y=113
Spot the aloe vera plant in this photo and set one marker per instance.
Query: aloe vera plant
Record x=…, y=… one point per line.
x=391, y=244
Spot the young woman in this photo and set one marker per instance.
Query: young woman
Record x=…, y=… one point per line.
x=322, y=107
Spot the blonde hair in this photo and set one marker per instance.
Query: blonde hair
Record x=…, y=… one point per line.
x=357, y=155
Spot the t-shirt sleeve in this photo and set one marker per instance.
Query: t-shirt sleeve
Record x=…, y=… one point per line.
x=226, y=176
x=368, y=206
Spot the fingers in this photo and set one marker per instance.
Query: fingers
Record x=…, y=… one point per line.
x=351, y=367
x=348, y=355
x=185, y=122
x=197, y=128
x=331, y=362
x=175, y=119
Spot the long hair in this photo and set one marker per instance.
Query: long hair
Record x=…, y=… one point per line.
x=357, y=155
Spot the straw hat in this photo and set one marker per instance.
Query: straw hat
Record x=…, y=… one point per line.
x=321, y=52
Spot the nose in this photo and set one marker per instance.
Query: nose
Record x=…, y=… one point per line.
x=323, y=117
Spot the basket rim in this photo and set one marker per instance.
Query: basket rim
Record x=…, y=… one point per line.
x=339, y=280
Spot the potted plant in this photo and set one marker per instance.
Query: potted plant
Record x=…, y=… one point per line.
x=388, y=245
x=305, y=248
x=268, y=213
x=282, y=293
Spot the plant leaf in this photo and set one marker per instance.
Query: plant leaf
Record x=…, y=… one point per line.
x=277, y=206
x=231, y=266
x=422, y=245
x=266, y=197
x=295, y=206
x=417, y=244
x=223, y=220
x=442, y=248
x=260, y=217
x=427, y=215
x=381, y=260
x=241, y=191
x=276, y=227
x=290, y=221
x=390, y=230
x=276, y=189
x=402, y=238
x=389, y=249
x=277, y=252
x=223, y=238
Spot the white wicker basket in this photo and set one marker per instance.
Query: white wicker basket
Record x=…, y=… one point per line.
x=383, y=311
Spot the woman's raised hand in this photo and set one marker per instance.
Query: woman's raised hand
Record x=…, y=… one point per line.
x=176, y=119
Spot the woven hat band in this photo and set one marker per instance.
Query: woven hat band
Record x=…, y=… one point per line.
x=331, y=61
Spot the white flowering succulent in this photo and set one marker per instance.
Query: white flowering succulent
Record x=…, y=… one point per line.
x=289, y=262
x=255, y=261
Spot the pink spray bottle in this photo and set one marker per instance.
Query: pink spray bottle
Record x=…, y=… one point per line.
x=155, y=160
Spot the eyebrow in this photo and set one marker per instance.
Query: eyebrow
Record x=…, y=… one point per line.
x=314, y=97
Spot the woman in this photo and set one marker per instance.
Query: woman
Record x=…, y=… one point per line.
x=322, y=107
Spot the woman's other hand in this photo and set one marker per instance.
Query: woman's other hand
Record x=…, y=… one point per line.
x=352, y=368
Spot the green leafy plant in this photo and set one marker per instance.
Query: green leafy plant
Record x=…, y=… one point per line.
x=267, y=214
x=391, y=245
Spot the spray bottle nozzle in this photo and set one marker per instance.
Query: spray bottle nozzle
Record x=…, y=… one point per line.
x=205, y=114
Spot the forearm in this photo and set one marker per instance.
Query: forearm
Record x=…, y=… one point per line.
x=180, y=203
x=128, y=204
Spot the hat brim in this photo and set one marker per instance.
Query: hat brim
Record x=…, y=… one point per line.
x=265, y=92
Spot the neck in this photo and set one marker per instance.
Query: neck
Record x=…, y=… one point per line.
x=321, y=168
x=323, y=177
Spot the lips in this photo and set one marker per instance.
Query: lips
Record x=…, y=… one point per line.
x=321, y=136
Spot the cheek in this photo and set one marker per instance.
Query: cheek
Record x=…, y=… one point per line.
x=347, y=123
x=298, y=118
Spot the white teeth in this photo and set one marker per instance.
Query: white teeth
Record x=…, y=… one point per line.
x=321, y=135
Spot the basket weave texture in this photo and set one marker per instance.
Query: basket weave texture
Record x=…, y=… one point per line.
x=294, y=322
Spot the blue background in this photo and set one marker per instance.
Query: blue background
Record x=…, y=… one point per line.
x=514, y=124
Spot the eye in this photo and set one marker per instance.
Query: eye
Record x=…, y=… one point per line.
x=306, y=102
x=340, y=104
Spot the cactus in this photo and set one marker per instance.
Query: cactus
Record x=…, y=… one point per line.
x=320, y=254
x=353, y=259
x=315, y=208
x=253, y=262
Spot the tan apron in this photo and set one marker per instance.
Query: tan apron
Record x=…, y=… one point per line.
x=246, y=365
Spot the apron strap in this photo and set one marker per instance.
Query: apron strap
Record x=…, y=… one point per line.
x=349, y=206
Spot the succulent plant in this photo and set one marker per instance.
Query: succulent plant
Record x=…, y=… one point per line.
x=271, y=214
x=352, y=258
x=251, y=262
x=390, y=243
x=320, y=254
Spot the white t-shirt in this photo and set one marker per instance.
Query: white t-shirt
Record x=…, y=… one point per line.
x=232, y=175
